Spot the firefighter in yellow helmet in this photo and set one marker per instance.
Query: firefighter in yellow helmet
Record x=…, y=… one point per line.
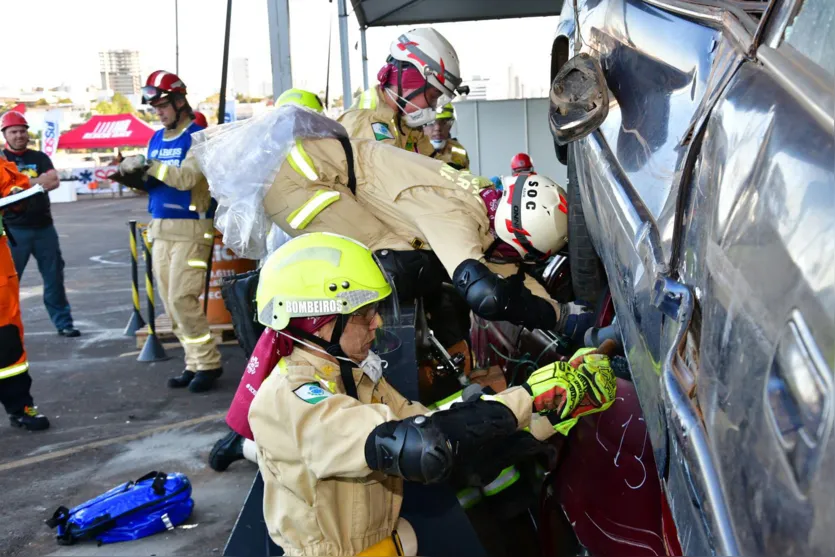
x=301, y=97
x=447, y=148
x=335, y=441
x=421, y=73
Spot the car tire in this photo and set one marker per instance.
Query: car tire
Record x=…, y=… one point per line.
x=588, y=277
x=562, y=153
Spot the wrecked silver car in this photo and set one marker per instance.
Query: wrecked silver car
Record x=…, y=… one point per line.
x=700, y=142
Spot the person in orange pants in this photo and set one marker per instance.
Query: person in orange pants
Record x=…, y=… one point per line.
x=15, y=381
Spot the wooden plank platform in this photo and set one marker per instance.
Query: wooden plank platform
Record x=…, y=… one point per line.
x=223, y=334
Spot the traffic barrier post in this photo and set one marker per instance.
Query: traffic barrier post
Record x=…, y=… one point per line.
x=152, y=350
x=135, y=322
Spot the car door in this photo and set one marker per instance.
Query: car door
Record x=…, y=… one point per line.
x=663, y=67
x=757, y=247
x=657, y=66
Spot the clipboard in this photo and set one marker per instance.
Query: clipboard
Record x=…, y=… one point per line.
x=21, y=196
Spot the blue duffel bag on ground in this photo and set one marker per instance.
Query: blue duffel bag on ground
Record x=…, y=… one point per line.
x=133, y=510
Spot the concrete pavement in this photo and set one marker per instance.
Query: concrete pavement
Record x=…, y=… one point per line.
x=113, y=419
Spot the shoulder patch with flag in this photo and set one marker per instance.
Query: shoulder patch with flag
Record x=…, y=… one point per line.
x=312, y=393
x=381, y=131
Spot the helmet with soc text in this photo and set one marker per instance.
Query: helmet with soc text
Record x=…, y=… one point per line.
x=533, y=216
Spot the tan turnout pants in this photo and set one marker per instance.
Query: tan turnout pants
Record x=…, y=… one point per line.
x=180, y=273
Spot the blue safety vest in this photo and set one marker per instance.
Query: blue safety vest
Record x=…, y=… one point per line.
x=165, y=202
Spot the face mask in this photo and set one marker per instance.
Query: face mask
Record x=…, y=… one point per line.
x=438, y=143
x=419, y=117
x=373, y=366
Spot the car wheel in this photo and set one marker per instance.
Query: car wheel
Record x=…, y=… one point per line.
x=562, y=153
x=587, y=274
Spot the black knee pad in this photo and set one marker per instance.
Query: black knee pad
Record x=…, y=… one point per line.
x=11, y=347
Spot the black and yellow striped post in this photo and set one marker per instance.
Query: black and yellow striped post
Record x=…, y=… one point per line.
x=152, y=351
x=135, y=322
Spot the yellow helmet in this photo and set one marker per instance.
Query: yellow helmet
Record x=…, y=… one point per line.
x=301, y=98
x=447, y=112
x=318, y=274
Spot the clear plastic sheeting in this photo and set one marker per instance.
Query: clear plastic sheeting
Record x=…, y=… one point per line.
x=241, y=160
x=275, y=239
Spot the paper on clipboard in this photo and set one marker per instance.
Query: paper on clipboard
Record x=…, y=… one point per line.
x=20, y=196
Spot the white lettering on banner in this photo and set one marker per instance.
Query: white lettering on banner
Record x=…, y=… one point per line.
x=223, y=254
x=213, y=295
x=251, y=389
x=50, y=134
x=313, y=307
x=110, y=130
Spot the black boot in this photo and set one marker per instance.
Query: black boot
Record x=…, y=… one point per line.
x=184, y=380
x=29, y=419
x=226, y=451
x=205, y=380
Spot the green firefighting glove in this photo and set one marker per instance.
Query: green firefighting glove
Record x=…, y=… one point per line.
x=565, y=394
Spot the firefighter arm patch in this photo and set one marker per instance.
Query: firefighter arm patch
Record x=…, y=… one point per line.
x=312, y=393
x=381, y=131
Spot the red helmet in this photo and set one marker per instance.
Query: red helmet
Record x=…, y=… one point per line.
x=200, y=119
x=12, y=118
x=521, y=162
x=160, y=84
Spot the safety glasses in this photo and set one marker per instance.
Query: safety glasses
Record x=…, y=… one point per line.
x=366, y=315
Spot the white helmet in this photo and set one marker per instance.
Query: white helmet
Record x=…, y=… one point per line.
x=533, y=216
x=429, y=52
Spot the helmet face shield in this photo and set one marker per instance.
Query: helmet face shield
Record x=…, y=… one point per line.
x=443, y=100
x=388, y=319
x=151, y=94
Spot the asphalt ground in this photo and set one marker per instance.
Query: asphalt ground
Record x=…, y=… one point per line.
x=113, y=418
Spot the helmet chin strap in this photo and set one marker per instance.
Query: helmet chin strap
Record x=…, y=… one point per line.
x=178, y=112
x=333, y=348
x=400, y=99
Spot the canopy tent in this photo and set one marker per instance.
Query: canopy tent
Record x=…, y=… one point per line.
x=379, y=13
x=108, y=132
